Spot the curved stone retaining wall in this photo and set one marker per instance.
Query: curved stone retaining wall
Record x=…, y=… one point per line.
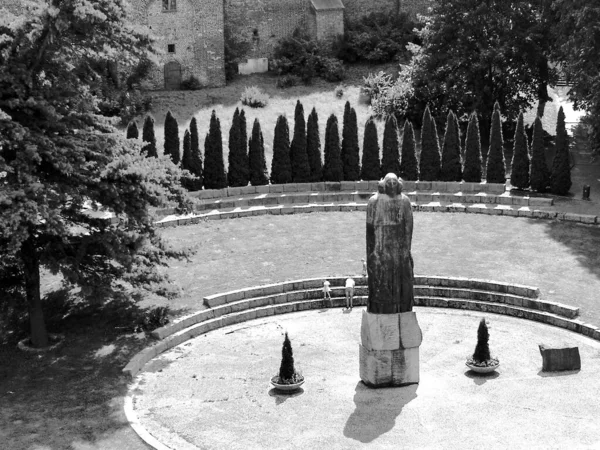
x=246, y=304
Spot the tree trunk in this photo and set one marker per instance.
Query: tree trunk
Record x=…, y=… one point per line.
x=31, y=269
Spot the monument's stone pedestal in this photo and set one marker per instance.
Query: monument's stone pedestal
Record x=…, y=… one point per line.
x=389, y=349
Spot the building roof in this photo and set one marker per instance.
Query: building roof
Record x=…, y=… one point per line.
x=325, y=5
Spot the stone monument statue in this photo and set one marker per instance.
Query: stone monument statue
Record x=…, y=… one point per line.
x=390, y=333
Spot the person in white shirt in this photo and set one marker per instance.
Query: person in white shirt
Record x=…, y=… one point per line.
x=326, y=290
x=349, y=292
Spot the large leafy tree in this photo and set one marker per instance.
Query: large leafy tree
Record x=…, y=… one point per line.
x=62, y=160
x=477, y=52
x=576, y=47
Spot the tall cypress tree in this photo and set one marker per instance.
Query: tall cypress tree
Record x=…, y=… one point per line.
x=430, y=163
x=519, y=174
x=390, y=154
x=196, y=162
x=132, y=130
x=350, y=149
x=451, y=163
x=561, y=168
x=237, y=175
x=214, y=167
x=256, y=157
x=313, y=147
x=496, y=166
x=186, y=158
x=149, y=138
x=409, y=167
x=298, y=152
x=281, y=166
x=332, y=169
x=172, y=138
x=472, y=167
x=370, y=167
x=191, y=161
x=539, y=175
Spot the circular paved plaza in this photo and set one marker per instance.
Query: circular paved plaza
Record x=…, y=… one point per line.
x=213, y=392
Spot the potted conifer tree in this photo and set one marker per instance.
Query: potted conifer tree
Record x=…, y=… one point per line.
x=481, y=361
x=288, y=378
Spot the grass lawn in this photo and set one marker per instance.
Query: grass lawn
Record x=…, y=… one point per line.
x=73, y=397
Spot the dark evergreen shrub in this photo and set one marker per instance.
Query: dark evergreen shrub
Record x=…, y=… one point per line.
x=519, y=175
x=238, y=174
x=192, y=161
x=332, y=169
x=451, y=161
x=409, y=167
x=370, y=167
x=287, y=370
x=243, y=126
x=482, y=349
x=281, y=166
x=214, y=167
x=172, y=138
x=472, y=166
x=539, y=175
x=149, y=138
x=390, y=154
x=313, y=147
x=256, y=156
x=430, y=163
x=561, y=168
x=298, y=153
x=350, y=149
x=496, y=167
x=132, y=130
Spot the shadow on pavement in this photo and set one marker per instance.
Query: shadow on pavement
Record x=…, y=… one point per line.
x=376, y=410
x=481, y=378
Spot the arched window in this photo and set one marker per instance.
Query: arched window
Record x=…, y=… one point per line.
x=169, y=5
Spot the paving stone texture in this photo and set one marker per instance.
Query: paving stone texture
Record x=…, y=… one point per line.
x=213, y=392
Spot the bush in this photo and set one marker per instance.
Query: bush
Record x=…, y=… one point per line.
x=539, y=176
x=313, y=147
x=376, y=38
x=375, y=84
x=298, y=154
x=299, y=55
x=350, y=149
x=390, y=158
x=256, y=157
x=172, y=138
x=152, y=318
x=287, y=371
x=495, y=167
x=519, y=176
x=451, y=163
x=149, y=138
x=332, y=169
x=482, y=349
x=339, y=90
x=430, y=163
x=132, y=130
x=286, y=81
x=214, y=167
x=281, y=165
x=254, y=97
x=409, y=167
x=191, y=84
x=561, y=168
x=472, y=167
x=371, y=167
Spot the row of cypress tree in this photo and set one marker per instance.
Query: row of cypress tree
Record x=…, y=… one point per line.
x=299, y=160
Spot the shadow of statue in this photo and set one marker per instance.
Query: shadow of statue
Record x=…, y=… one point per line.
x=481, y=378
x=376, y=410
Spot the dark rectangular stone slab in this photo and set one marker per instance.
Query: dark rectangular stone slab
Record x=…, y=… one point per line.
x=558, y=359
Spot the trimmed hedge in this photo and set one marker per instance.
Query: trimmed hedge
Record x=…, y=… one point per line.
x=371, y=167
x=472, y=164
x=496, y=166
x=539, y=175
x=409, y=166
x=298, y=153
x=172, y=138
x=561, y=167
x=281, y=166
x=451, y=160
x=350, y=149
x=390, y=154
x=430, y=164
x=313, y=147
x=519, y=175
x=149, y=138
x=332, y=169
x=256, y=157
x=214, y=167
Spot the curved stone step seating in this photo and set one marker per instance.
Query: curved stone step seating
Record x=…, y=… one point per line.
x=480, y=198
x=246, y=304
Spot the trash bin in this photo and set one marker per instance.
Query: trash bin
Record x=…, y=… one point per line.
x=586, y=192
